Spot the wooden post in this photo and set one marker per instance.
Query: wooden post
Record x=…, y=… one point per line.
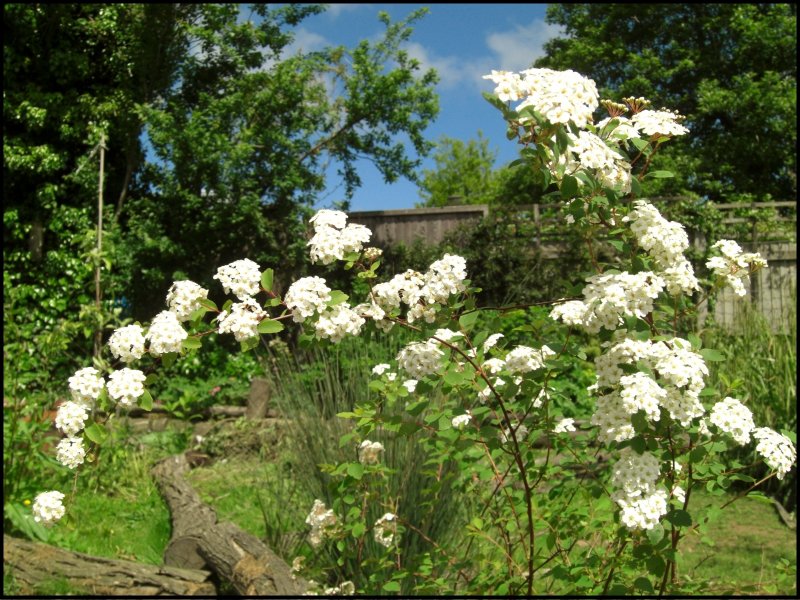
x=98, y=292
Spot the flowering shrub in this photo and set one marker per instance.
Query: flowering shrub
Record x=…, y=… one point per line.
x=474, y=400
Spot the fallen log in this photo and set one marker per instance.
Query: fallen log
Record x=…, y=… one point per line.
x=198, y=541
x=33, y=563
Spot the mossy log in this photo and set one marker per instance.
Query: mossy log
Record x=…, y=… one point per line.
x=33, y=564
x=199, y=542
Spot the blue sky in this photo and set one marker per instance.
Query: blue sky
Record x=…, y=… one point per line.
x=462, y=42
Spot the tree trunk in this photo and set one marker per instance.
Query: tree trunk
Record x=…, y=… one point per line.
x=198, y=541
x=32, y=564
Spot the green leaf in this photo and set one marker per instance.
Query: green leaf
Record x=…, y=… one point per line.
x=640, y=144
x=391, y=586
x=569, y=187
x=679, y=518
x=168, y=359
x=358, y=529
x=467, y=320
x=644, y=584
x=655, y=535
x=191, y=343
x=655, y=564
x=209, y=304
x=661, y=174
x=96, y=433
x=269, y=326
x=249, y=343
x=712, y=355
x=337, y=297
x=146, y=401
x=266, y=280
x=355, y=470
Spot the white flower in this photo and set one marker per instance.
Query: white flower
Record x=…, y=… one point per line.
x=47, y=507
x=328, y=218
x=165, y=334
x=337, y=322
x=322, y=520
x=420, y=358
x=461, y=421
x=241, y=278
x=70, y=452
x=410, y=385
x=85, y=385
x=777, y=450
x=491, y=341
x=243, y=319
x=126, y=385
x=369, y=452
x=658, y=122
x=385, y=529
x=71, y=417
x=379, y=369
x=127, y=343
x=734, y=265
x=564, y=425
x=523, y=359
x=307, y=296
x=184, y=298
x=734, y=418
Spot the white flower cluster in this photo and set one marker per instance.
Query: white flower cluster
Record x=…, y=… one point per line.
x=322, y=520
x=777, y=450
x=348, y=588
x=380, y=369
x=564, y=425
x=127, y=343
x=385, y=529
x=666, y=241
x=420, y=358
x=734, y=265
x=243, y=319
x=680, y=379
x=70, y=452
x=184, y=298
x=126, y=385
x=242, y=278
x=369, y=452
x=422, y=292
x=560, y=96
x=635, y=476
x=523, y=359
x=86, y=385
x=47, y=507
x=734, y=418
x=491, y=341
x=165, y=334
x=659, y=122
x=608, y=298
x=337, y=322
x=520, y=433
x=461, y=421
x=70, y=418
x=306, y=296
x=333, y=238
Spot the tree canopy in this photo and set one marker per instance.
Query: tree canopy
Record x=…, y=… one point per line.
x=731, y=69
x=218, y=138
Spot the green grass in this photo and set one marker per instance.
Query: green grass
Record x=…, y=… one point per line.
x=750, y=550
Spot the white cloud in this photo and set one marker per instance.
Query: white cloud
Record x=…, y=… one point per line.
x=518, y=48
x=451, y=70
x=335, y=10
x=305, y=41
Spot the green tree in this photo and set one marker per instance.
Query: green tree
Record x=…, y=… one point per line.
x=239, y=137
x=731, y=69
x=465, y=173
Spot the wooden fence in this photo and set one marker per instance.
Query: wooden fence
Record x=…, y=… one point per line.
x=773, y=290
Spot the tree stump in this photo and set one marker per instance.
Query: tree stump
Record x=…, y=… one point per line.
x=198, y=541
x=258, y=398
x=33, y=563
